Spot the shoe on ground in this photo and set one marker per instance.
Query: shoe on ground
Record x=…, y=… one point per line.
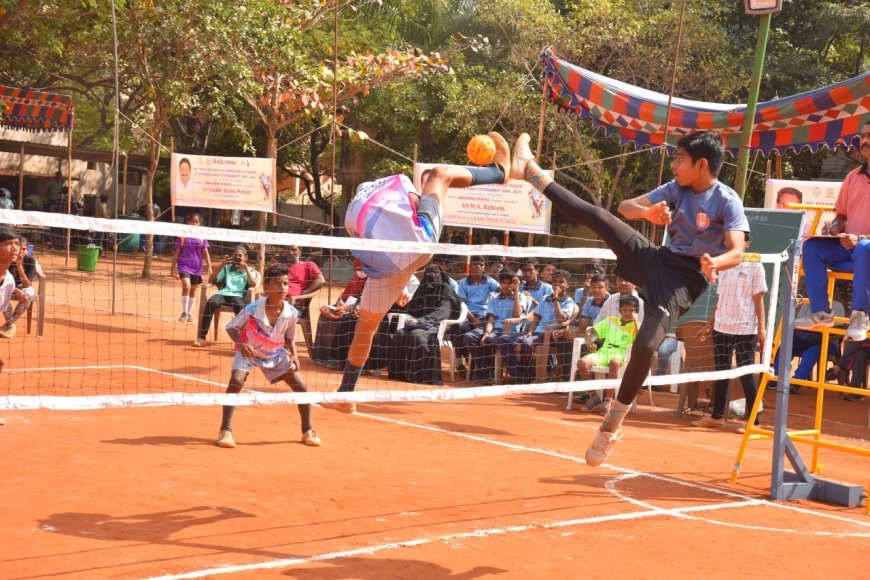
x=183, y=317
x=592, y=404
x=348, y=408
x=740, y=430
x=310, y=438
x=853, y=397
x=858, y=325
x=601, y=447
x=7, y=331
x=605, y=407
x=794, y=389
x=814, y=320
x=335, y=365
x=522, y=156
x=2, y=422
x=225, y=439
x=502, y=154
x=189, y=317
x=709, y=423
x=199, y=342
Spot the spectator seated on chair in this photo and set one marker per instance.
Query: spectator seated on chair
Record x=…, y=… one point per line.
x=611, y=306
x=23, y=272
x=856, y=356
x=336, y=323
x=807, y=345
x=554, y=308
x=415, y=356
x=233, y=279
x=305, y=276
x=443, y=262
x=584, y=289
x=617, y=332
x=474, y=290
x=531, y=285
x=848, y=251
x=508, y=303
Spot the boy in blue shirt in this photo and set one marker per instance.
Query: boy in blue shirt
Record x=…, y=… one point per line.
x=706, y=227
x=264, y=335
x=509, y=302
x=554, y=308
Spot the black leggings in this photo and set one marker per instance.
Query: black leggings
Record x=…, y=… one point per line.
x=616, y=234
x=724, y=347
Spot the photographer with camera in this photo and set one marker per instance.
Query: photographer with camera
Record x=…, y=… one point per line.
x=233, y=280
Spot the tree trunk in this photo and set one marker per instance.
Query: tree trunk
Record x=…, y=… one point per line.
x=154, y=153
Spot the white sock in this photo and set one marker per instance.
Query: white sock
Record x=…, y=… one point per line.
x=190, y=301
x=185, y=309
x=613, y=420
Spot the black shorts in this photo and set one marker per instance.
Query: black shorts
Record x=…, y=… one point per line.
x=669, y=283
x=195, y=279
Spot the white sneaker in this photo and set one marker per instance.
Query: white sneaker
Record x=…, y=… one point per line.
x=858, y=325
x=816, y=319
x=225, y=439
x=601, y=447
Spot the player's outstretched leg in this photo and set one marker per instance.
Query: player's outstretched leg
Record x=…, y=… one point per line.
x=615, y=233
x=225, y=435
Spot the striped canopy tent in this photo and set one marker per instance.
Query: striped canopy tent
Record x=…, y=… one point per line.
x=31, y=110
x=824, y=117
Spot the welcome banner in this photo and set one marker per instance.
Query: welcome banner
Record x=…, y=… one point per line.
x=515, y=206
x=240, y=183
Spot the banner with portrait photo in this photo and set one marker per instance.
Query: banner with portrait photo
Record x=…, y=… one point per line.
x=515, y=206
x=232, y=183
x=778, y=192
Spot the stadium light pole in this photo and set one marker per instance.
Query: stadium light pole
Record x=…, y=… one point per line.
x=765, y=8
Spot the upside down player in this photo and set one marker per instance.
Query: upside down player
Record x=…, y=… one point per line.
x=390, y=209
x=706, y=226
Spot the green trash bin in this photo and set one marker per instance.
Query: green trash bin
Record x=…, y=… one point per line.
x=87, y=257
x=128, y=243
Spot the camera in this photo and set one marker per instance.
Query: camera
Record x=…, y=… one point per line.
x=236, y=260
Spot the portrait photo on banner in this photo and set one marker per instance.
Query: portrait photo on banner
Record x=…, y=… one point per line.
x=225, y=183
x=779, y=192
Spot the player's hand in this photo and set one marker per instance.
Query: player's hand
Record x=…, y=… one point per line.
x=174, y=274
x=848, y=241
x=247, y=351
x=294, y=364
x=658, y=214
x=708, y=268
x=762, y=336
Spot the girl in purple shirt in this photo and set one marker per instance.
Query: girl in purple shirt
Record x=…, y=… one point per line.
x=187, y=267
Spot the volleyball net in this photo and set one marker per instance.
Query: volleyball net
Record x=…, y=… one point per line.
x=112, y=337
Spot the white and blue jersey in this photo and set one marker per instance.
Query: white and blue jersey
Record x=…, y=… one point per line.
x=501, y=307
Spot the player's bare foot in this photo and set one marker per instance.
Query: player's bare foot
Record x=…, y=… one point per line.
x=522, y=156
x=502, y=154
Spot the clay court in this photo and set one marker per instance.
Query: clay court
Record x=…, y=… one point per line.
x=490, y=487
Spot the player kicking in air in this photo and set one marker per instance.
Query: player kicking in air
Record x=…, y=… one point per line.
x=390, y=209
x=706, y=227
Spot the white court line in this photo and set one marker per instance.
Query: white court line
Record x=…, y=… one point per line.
x=610, y=485
x=116, y=367
x=447, y=538
x=622, y=470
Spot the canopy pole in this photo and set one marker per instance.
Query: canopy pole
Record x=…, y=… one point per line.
x=751, y=103
x=69, y=191
x=21, y=177
x=671, y=93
